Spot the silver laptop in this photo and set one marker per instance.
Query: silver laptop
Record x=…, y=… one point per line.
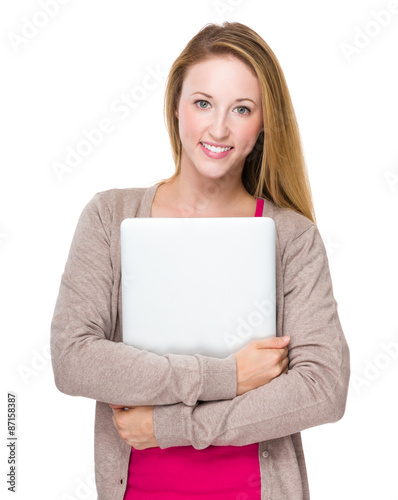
x=197, y=285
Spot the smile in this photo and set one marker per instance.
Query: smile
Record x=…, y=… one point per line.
x=216, y=149
x=215, y=152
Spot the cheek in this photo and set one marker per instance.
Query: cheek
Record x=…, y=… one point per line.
x=188, y=124
x=248, y=136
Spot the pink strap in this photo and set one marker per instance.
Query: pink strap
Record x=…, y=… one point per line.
x=259, y=208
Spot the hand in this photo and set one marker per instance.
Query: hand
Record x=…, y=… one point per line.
x=135, y=425
x=260, y=362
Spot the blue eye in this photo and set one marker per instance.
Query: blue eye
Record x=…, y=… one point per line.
x=202, y=100
x=239, y=107
x=243, y=107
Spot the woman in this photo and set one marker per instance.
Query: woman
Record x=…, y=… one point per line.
x=196, y=425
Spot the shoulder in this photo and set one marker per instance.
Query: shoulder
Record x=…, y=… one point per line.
x=121, y=202
x=116, y=196
x=290, y=226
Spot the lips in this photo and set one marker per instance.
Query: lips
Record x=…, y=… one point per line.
x=214, y=154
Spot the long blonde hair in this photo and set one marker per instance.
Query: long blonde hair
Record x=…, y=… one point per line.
x=275, y=168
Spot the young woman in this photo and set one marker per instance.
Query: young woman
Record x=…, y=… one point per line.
x=201, y=427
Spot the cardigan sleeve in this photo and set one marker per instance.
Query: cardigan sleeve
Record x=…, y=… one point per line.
x=87, y=361
x=313, y=392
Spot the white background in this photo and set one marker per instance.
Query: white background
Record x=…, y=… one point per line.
x=66, y=77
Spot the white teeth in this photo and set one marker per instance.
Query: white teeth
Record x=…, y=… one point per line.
x=215, y=149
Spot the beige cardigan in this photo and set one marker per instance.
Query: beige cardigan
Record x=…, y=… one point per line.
x=195, y=395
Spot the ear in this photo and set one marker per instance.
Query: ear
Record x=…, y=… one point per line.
x=176, y=113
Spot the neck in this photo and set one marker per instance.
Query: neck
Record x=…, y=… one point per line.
x=208, y=197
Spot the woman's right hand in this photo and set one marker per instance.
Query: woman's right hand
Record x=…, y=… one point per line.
x=260, y=362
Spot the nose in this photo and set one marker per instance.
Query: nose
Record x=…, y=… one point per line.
x=219, y=127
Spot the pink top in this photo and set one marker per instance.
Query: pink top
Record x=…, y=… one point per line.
x=213, y=473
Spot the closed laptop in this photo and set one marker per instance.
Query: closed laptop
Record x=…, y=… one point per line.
x=197, y=285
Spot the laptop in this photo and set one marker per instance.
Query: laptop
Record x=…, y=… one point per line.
x=202, y=285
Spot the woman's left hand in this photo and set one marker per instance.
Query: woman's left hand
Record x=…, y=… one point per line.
x=135, y=425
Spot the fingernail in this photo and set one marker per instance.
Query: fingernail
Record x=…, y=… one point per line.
x=285, y=337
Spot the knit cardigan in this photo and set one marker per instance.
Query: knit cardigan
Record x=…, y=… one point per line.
x=195, y=396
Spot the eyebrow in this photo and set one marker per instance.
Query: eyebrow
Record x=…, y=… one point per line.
x=237, y=100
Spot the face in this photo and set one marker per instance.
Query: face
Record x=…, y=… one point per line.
x=220, y=105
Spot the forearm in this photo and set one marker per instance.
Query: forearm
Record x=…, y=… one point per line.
x=87, y=365
x=290, y=403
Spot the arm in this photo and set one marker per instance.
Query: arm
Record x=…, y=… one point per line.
x=314, y=390
x=87, y=362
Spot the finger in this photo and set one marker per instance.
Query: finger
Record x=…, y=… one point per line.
x=116, y=407
x=281, y=353
x=284, y=353
x=118, y=411
x=285, y=363
x=121, y=407
x=273, y=342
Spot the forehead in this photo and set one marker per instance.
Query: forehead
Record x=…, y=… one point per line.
x=225, y=71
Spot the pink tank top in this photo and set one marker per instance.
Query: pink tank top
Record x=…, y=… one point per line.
x=214, y=473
